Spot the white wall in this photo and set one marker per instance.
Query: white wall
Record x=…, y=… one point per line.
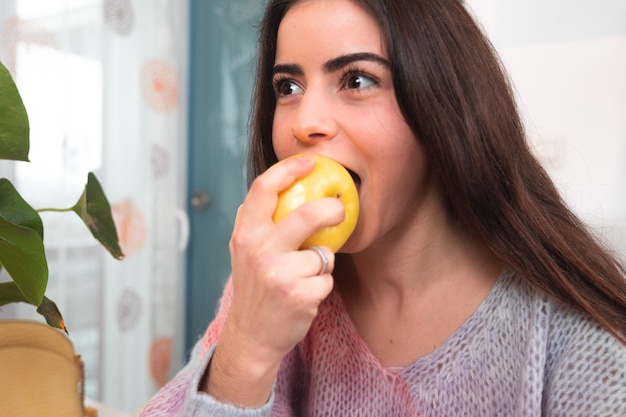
x=567, y=60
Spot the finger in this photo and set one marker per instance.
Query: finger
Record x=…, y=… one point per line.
x=326, y=259
x=307, y=263
x=308, y=218
x=317, y=289
x=260, y=203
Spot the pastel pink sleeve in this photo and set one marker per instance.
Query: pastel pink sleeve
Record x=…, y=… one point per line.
x=215, y=328
x=180, y=394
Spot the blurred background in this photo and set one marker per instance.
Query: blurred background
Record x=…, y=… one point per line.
x=153, y=96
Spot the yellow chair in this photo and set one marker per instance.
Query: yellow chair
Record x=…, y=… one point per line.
x=40, y=374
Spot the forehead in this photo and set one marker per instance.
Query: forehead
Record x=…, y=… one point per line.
x=332, y=25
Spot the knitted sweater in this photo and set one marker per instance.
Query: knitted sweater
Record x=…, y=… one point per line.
x=521, y=353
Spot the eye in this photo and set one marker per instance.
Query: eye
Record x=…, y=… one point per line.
x=285, y=87
x=358, y=80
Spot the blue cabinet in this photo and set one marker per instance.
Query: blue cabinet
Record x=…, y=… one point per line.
x=223, y=48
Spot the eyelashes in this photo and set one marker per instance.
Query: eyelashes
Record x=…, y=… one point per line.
x=356, y=78
x=352, y=78
x=285, y=86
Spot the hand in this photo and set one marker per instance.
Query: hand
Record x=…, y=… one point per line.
x=276, y=289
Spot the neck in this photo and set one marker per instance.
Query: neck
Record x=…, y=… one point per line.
x=407, y=298
x=419, y=264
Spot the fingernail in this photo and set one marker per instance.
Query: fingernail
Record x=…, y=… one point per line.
x=307, y=159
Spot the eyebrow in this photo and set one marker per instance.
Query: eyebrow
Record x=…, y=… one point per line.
x=332, y=64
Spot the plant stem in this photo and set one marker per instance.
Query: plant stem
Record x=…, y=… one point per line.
x=54, y=209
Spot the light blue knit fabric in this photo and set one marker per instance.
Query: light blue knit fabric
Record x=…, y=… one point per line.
x=521, y=353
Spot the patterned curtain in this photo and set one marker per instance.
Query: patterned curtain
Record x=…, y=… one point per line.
x=104, y=82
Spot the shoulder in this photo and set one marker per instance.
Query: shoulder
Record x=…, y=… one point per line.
x=564, y=328
x=585, y=371
x=583, y=365
x=574, y=336
x=569, y=335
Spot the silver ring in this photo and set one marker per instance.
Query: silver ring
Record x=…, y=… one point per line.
x=323, y=257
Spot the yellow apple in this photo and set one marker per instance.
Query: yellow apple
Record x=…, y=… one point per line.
x=327, y=179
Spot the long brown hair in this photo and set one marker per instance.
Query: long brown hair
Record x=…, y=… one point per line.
x=455, y=95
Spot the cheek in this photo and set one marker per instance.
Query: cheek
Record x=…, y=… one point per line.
x=281, y=138
x=386, y=121
x=403, y=158
x=392, y=139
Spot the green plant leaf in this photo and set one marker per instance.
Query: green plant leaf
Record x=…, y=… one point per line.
x=14, y=127
x=49, y=310
x=16, y=210
x=10, y=293
x=23, y=256
x=95, y=210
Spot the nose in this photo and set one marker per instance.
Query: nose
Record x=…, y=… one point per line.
x=314, y=120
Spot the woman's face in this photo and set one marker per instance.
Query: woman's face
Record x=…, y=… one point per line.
x=335, y=97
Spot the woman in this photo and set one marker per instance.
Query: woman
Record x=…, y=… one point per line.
x=468, y=288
